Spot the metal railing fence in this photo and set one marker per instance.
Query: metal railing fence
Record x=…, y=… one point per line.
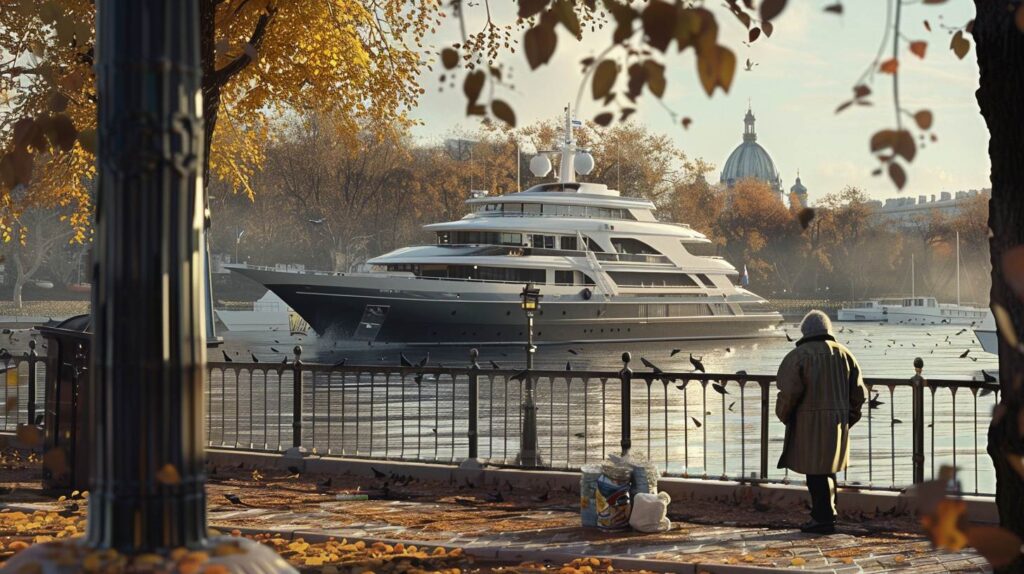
x=701, y=425
x=691, y=424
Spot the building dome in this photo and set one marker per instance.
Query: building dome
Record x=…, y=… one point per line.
x=751, y=160
x=799, y=191
x=798, y=188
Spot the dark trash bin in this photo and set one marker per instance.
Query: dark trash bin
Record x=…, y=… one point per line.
x=66, y=447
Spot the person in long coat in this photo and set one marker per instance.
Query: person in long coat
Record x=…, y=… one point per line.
x=821, y=392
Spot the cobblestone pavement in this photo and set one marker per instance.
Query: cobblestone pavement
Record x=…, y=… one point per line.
x=514, y=524
x=555, y=533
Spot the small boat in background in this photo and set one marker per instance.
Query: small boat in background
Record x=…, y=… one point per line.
x=916, y=310
x=912, y=311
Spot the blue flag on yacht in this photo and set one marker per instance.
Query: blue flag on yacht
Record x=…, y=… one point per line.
x=745, y=279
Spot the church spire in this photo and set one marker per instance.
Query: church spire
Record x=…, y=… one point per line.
x=749, y=135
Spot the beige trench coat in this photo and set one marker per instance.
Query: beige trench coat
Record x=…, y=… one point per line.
x=820, y=397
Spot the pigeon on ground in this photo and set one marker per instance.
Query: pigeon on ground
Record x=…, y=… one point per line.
x=253, y=355
x=675, y=352
x=227, y=358
x=964, y=354
x=719, y=389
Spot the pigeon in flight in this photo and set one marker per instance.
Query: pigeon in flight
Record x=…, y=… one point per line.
x=650, y=365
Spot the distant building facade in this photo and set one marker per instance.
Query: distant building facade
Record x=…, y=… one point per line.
x=903, y=211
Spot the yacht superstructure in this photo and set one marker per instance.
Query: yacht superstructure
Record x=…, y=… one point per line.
x=607, y=269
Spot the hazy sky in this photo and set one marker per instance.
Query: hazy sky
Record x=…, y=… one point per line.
x=803, y=72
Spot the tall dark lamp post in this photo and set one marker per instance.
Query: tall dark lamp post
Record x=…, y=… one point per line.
x=528, y=453
x=149, y=355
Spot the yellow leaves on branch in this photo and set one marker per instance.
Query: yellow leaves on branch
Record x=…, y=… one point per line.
x=350, y=56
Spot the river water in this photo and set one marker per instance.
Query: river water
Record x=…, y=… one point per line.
x=691, y=431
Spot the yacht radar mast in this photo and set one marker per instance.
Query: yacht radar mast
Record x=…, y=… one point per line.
x=573, y=160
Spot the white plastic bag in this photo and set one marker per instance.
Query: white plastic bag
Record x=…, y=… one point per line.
x=649, y=512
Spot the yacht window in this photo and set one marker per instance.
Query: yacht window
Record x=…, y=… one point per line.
x=705, y=280
x=587, y=280
x=633, y=246
x=641, y=279
x=568, y=243
x=481, y=273
x=531, y=209
x=479, y=238
x=593, y=246
x=544, y=241
x=563, y=277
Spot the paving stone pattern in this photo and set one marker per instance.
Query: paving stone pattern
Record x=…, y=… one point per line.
x=560, y=536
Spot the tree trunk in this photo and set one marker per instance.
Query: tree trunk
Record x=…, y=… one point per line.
x=19, y=285
x=1000, y=50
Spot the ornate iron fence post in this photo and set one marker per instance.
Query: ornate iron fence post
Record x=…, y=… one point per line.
x=297, y=401
x=474, y=405
x=764, y=428
x=32, y=358
x=919, y=383
x=626, y=376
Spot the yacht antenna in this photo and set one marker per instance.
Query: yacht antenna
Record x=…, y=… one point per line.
x=912, y=295
x=567, y=171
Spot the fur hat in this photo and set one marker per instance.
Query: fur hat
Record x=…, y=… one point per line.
x=815, y=322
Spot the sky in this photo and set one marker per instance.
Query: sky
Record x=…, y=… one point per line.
x=803, y=72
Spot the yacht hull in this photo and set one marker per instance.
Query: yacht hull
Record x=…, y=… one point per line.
x=406, y=311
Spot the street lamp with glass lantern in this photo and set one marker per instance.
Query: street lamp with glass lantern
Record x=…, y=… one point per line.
x=528, y=455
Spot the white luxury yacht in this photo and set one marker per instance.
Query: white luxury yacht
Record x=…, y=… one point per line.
x=606, y=268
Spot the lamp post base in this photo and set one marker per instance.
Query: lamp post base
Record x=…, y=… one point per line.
x=235, y=555
x=529, y=454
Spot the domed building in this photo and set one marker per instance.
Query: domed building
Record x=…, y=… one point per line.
x=799, y=191
x=749, y=159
